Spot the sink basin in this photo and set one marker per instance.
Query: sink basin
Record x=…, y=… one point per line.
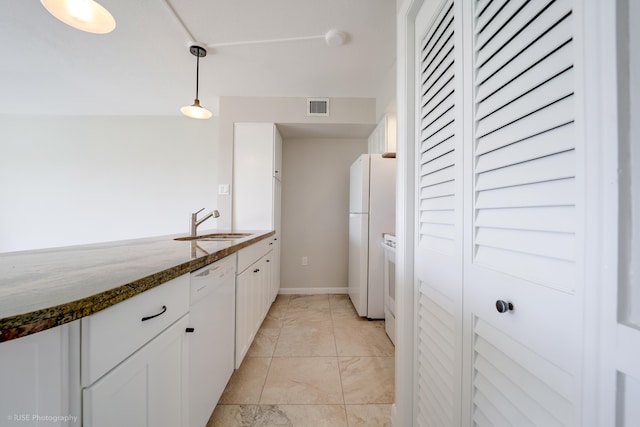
x=215, y=236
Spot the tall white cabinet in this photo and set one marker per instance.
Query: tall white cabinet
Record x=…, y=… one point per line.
x=257, y=183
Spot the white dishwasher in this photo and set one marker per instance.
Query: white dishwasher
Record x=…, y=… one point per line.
x=211, y=342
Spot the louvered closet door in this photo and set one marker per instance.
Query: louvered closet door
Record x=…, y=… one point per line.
x=523, y=216
x=438, y=251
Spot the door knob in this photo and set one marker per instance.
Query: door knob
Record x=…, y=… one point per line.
x=503, y=306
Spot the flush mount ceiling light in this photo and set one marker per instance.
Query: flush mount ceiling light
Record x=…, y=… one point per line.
x=85, y=15
x=196, y=111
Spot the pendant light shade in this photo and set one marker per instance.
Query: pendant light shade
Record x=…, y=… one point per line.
x=85, y=15
x=195, y=110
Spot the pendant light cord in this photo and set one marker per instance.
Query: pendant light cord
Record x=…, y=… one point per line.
x=197, y=72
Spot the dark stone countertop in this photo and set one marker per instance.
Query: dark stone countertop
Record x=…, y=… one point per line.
x=44, y=288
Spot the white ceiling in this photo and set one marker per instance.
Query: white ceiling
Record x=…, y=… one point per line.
x=144, y=66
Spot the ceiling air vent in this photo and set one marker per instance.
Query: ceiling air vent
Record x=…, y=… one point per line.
x=317, y=106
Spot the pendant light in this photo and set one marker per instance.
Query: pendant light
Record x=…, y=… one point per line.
x=196, y=111
x=85, y=15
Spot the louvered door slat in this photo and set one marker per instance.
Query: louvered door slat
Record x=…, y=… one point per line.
x=522, y=379
x=435, y=362
x=555, y=115
x=502, y=412
x=557, y=62
x=438, y=122
x=495, y=364
x=558, y=88
x=551, y=193
x=555, y=273
x=533, y=44
x=510, y=20
x=547, y=168
x=554, y=245
x=434, y=151
x=549, y=142
x=557, y=219
x=558, y=382
x=438, y=163
x=486, y=13
x=437, y=230
x=436, y=217
x=439, y=190
x=485, y=414
x=440, y=63
x=443, y=175
x=437, y=95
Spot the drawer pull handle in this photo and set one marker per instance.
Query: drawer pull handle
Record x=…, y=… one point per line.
x=256, y=270
x=503, y=306
x=164, y=309
x=189, y=330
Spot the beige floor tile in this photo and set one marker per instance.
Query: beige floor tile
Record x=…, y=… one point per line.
x=339, y=300
x=282, y=299
x=309, y=301
x=369, y=415
x=277, y=311
x=363, y=340
x=264, y=343
x=302, y=380
x=316, y=415
x=367, y=379
x=304, y=314
x=306, y=338
x=245, y=385
x=233, y=416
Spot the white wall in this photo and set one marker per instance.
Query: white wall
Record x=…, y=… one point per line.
x=67, y=180
x=315, y=211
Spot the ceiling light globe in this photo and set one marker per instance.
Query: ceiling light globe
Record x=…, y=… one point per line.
x=196, y=111
x=85, y=15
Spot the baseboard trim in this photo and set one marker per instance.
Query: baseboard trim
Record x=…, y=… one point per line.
x=312, y=291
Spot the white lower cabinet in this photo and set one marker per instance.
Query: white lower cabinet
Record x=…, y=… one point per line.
x=40, y=380
x=135, y=360
x=146, y=390
x=254, y=295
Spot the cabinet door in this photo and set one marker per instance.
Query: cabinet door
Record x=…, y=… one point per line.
x=253, y=171
x=249, y=302
x=146, y=390
x=38, y=376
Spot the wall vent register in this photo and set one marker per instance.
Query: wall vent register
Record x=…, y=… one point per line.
x=317, y=106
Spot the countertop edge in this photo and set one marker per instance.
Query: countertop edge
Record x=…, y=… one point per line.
x=21, y=325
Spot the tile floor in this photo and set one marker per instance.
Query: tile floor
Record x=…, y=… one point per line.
x=313, y=363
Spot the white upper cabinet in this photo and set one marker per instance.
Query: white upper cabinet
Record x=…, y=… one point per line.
x=257, y=173
x=383, y=138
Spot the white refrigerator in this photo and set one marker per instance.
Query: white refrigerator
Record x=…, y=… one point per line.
x=372, y=199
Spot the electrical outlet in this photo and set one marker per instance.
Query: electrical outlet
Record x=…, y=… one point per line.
x=305, y=260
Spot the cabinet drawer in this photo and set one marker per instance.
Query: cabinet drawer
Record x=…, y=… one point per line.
x=251, y=254
x=111, y=335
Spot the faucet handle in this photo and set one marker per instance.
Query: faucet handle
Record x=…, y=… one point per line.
x=216, y=214
x=196, y=213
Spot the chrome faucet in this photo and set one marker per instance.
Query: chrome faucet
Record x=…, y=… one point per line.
x=195, y=222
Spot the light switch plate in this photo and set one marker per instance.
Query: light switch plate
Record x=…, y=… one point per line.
x=223, y=189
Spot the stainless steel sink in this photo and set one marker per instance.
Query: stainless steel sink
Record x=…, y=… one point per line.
x=215, y=236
